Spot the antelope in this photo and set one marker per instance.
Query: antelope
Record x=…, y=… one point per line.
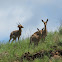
x=44, y=34
x=16, y=34
x=35, y=38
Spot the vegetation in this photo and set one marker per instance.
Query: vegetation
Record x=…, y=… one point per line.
x=60, y=29
x=9, y=52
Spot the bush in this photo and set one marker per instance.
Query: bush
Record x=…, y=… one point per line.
x=60, y=29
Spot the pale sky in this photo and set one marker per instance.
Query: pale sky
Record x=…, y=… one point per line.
x=29, y=13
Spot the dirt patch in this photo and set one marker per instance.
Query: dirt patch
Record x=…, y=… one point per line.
x=28, y=56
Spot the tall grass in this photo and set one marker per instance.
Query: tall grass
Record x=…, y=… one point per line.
x=10, y=51
x=60, y=29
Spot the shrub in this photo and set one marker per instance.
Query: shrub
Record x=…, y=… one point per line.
x=60, y=30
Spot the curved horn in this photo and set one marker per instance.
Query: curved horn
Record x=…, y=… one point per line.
x=19, y=23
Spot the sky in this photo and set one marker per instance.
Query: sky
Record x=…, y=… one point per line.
x=29, y=13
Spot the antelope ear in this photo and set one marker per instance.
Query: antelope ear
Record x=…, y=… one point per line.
x=42, y=21
x=42, y=29
x=47, y=20
x=37, y=29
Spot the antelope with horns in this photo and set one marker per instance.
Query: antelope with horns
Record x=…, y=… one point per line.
x=16, y=34
x=44, y=34
x=35, y=38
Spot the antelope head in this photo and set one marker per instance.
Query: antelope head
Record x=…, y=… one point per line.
x=45, y=23
x=39, y=31
x=20, y=26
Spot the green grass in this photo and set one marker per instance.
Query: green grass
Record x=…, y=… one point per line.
x=10, y=51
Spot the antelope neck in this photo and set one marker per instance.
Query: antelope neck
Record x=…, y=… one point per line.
x=19, y=29
x=45, y=29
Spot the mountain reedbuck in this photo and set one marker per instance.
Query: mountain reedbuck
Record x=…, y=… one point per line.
x=16, y=34
x=44, y=34
x=35, y=38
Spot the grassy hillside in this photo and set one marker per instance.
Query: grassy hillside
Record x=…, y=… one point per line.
x=9, y=52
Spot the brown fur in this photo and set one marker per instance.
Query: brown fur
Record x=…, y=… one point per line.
x=44, y=34
x=16, y=34
x=35, y=38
